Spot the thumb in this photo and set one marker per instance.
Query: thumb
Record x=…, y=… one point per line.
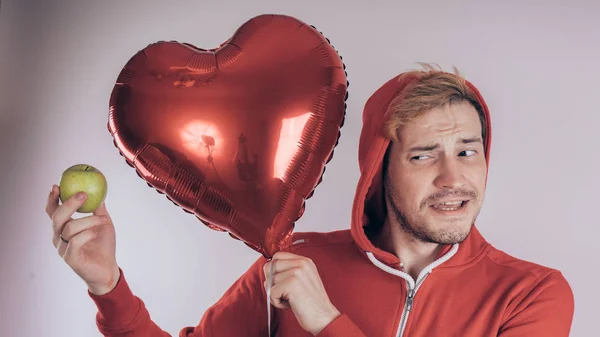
x=101, y=210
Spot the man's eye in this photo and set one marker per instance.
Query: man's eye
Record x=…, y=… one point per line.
x=467, y=153
x=423, y=157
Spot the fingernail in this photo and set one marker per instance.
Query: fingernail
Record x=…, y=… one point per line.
x=80, y=196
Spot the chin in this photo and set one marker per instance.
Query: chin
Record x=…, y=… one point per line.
x=457, y=233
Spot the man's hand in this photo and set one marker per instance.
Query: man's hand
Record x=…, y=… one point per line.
x=297, y=285
x=86, y=244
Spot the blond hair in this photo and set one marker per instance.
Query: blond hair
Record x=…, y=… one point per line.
x=433, y=88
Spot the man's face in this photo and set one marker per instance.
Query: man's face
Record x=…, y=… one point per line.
x=436, y=174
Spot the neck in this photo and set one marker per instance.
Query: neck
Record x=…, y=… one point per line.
x=413, y=253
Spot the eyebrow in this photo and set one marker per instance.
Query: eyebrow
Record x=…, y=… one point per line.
x=431, y=147
x=471, y=140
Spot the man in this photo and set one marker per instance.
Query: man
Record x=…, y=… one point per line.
x=412, y=264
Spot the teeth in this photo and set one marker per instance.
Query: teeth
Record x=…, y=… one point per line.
x=449, y=203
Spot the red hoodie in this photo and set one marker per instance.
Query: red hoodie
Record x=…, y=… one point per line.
x=473, y=289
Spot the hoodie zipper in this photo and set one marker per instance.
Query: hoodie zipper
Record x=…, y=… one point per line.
x=412, y=286
x=408, y=304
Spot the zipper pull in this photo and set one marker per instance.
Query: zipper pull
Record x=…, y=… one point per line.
x=411, y=296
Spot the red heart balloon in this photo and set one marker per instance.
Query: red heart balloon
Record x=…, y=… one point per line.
x=238, y=135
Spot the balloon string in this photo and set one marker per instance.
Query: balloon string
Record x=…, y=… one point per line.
x=269, y=285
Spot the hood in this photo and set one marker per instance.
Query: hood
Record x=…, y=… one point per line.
x=369, y=210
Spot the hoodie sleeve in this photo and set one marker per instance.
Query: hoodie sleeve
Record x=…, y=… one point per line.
x=547, y=310
x=121, y=313
x=342, y=326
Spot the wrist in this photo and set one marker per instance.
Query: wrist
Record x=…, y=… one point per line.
x=103, y=289
x=327, y=318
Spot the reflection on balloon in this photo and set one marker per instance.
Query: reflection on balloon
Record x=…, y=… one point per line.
x=238, y=135
x=287, y=146
x=201, y=138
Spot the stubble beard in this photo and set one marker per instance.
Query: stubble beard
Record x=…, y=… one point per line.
x=420, y=230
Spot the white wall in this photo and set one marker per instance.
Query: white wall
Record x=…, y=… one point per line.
x=536, y=63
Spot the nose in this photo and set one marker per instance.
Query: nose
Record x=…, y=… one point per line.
x=450, y=175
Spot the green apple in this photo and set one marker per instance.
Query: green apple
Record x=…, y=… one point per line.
x=86, y=178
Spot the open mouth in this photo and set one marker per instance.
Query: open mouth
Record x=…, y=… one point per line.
x=451, y=206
